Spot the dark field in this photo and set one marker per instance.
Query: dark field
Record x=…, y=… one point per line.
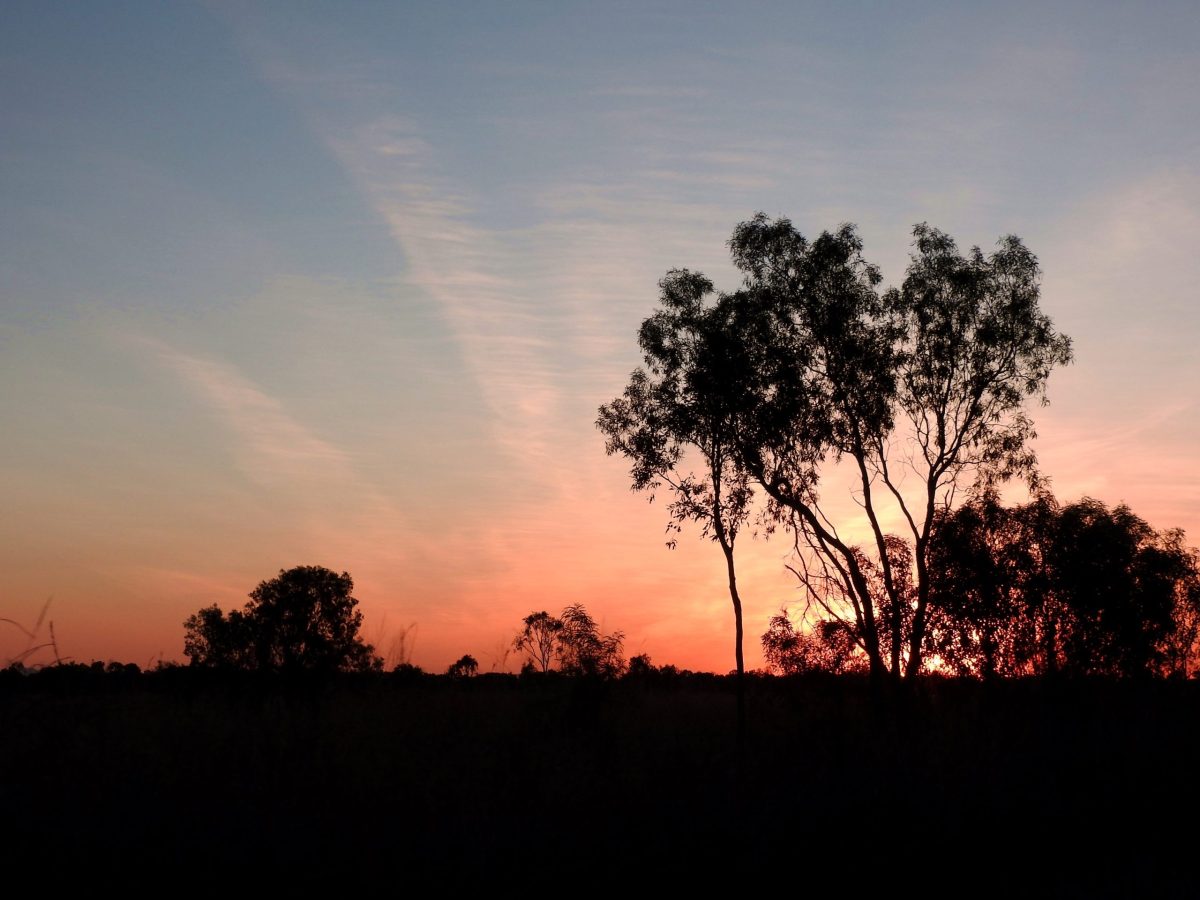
x=509, y=782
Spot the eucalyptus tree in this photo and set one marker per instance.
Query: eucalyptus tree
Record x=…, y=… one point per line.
x=538, y=639
x=675, y=423
x=919, y=391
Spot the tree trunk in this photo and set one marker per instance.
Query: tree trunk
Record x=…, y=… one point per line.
x=917, y=637
x=737, y=645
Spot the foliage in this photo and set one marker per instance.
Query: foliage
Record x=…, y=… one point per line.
x=829, y=647
x=538, y=640
x=1033, y=589
x=818, y=366
x=571, y=641
x=640, y=666
x=464, y=667
x=305, y=619
x=1080, y=589
x=673, y=409
x=584, y=650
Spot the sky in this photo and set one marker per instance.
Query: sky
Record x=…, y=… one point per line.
x=344, y=284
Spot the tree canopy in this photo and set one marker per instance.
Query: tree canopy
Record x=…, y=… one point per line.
x=675, y=408
x=304, y=619
x=921, y=389
x=1080, y=589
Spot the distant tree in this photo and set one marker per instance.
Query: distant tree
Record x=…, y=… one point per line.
x=539, y=639
x=571, y=641
x=305, y=619
x=583, y=650
x=1121, y=582
x=993, y=612
x=1180, y=651
x=640, y=666
x=465, y=667
x=212, y=638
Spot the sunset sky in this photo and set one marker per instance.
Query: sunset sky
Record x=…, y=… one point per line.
x=344, y=284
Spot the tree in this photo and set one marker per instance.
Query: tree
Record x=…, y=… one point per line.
x=674, y=413
x=919, y=391
x=538, y=639
x=573, y=641
x=212, y=638
x=305, y=619
x=1126, y=589
x=583, y=650
x=465, y=667
x=640, y=666
x=994, y=613
x=1080, y=589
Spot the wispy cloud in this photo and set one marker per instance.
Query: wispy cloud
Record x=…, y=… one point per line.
x=272, y=445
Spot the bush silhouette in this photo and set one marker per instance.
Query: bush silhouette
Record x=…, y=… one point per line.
x=305, y=619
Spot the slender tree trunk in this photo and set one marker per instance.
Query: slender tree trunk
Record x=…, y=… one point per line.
x=737, y=644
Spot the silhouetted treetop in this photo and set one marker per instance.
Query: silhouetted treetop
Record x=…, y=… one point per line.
x=304, y=619
x=675, y=423
x=465, y=667
x=1080, y=589
x=571, y=642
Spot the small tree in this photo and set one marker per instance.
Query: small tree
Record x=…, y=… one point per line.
x=212, y=638
x=305, y=619
x=829, y=647
x=640, y=666
x=539, y=639
x=583, y=650
x=572, y=641
x=465, y=667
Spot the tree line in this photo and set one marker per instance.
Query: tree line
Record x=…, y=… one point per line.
x=748, y=399
x=306, y=619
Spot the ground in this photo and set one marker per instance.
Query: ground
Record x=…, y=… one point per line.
x=1081, y=786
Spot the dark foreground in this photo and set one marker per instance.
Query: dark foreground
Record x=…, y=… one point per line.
x=514, y=783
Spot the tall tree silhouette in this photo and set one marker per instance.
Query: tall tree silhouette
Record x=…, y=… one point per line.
x=920, y=390
x=675, y=423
